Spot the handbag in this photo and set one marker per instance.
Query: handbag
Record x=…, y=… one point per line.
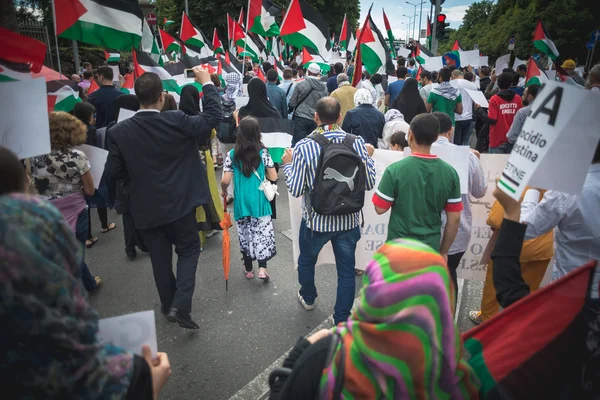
x=268, y=188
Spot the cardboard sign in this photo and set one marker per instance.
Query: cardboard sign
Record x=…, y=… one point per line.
x=130, y=331
x=556, y=145
x=457, y=156
x=24, y=128
x=478, y=98
x=374, y=232
x=97, y=158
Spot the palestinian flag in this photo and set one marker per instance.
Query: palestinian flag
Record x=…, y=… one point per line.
x=93, y=87
x=10, y=72
x=456, y=46
x=275, y=47
x=344, y=34
x=375, y=54
x=170, y=44
x=127, y=87
x=149, y=43
x=233, y=62
x=534, y=75
x=217, y=45
x=303, y=26
x=242, y=18
x=112, y=56
x=310, y=56
x=190, y=34
x=419, y=71
x=351, y=43
x=429, y=33
x=247, y=45
x=19, y=49
x=143, y=63
x=62, y=95
x=167, y=22
x=276, y=136
x=260, y=20
x=542, y=42
x=388, y=28
x=113, y=24
x=534, y=348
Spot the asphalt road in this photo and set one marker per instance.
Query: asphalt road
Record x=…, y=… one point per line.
x=243, y=331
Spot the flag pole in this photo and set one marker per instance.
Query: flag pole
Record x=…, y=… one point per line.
x=56, y=38
x=245, y=44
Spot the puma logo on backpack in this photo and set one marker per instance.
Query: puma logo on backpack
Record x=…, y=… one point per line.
x=340, y=178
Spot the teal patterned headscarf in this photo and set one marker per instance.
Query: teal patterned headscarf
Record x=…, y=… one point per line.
x=47, y=328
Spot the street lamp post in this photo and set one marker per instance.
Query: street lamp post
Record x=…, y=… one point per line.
x=415, y=5
x=409, y=24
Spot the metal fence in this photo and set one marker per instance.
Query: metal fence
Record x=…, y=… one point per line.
x=37, y=30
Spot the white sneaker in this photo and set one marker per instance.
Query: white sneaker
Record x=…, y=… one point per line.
x=307, y=307
x=211, y=233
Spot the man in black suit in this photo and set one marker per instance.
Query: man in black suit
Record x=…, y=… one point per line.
x=159, y=153
x=104, y=98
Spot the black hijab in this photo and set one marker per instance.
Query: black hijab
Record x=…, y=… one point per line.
x=189, y=102
x=409, y=102
x=258, y=105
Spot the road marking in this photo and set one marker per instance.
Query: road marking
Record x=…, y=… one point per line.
x=258, y=388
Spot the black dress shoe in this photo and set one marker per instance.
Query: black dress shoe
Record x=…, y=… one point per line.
x=164, y=310
x=131, y=254
x=182, y=318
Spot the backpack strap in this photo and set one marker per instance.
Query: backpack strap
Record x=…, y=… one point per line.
x=349, y=140
x=320, y=139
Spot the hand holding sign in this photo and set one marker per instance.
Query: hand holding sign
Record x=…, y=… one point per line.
x=556, y=145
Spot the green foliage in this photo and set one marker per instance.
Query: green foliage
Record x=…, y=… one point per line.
x=490, y=25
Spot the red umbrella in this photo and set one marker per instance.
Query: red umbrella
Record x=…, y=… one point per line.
x=225, y=225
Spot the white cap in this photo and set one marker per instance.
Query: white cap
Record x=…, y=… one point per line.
x=314, y=68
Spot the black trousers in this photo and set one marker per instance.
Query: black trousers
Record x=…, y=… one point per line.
x=133, y=236
x=183, y=234
x=102, y=215
x=453, y=263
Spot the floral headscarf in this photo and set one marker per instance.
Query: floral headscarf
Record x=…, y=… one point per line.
x=393, y=114
x=362, y=96
x=47, y=328
x=401, y=341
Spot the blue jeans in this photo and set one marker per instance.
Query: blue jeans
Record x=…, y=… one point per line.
x=344, y=248
x=81, y=231
x=504, y=148
x=462, y=132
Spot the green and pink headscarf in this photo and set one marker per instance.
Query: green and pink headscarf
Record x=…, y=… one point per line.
x=401, y=341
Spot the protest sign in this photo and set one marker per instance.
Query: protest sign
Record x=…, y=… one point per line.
x=457, y=156
x=374, y=232
x=130, y=331
x=241, y=101
x=556, y=145
x=97, y=158
x=469, y=57
x=24, y=118
x=432, y=63
x=502, y=63
x=403, y=52
x=478, y=98
x=483, y=60
x=125, y=114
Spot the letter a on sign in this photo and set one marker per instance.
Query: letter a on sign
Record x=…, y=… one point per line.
x=550, y=106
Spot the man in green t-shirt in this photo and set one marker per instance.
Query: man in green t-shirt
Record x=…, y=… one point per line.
x=445, y=98
x=418, y=188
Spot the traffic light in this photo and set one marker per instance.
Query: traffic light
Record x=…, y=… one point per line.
x=441, y=26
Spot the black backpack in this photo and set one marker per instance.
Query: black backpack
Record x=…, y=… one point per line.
x=340, y=178
x=226, y=129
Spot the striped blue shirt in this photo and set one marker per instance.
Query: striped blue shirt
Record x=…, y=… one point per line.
x=300, y=178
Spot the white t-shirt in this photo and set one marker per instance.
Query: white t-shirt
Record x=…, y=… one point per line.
x=467, y=102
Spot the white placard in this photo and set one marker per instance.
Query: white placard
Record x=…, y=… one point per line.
x=517, y=63
x=374, y=232
x=483, y=61
x=24, y=118
x=502, y=63
x=130, y=331
x=556, y=145
x=403, y=52
x=478, y=98
x=125, y=114
x=469, y=57
x=457, y=156
x=245, y=90
x=116, y=72
x=551, y=73
x=432, y=63
x=241, y=102
x=97, y=158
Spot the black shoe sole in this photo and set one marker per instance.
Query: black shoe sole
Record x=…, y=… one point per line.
x=182, y=322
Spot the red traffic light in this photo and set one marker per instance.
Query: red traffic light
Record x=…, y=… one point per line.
x=441, y=18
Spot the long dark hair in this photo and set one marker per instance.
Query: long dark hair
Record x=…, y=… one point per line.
x=410, y=91
x=248, y=146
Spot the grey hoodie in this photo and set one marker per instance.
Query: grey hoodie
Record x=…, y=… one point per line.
x=317, y=89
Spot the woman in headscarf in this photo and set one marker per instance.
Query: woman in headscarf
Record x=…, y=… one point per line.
x=64, y=178
x=227, y=128
x=208, y=216
x=48, y=331
x=409, y=102
x=259, y=106
x=401, y=342
x=364, y=120
x=394, y=122
x=101, y=200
